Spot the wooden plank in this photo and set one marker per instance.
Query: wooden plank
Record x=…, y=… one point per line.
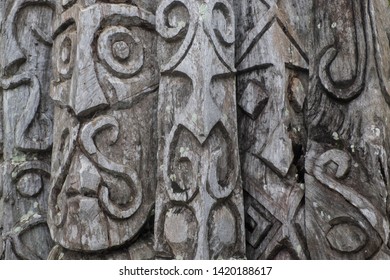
x=103, y=170
x=272, y=84
x=27, y=113
x=199, y=203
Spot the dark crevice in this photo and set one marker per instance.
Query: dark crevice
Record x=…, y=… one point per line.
x=382, y=170
x=299, y=162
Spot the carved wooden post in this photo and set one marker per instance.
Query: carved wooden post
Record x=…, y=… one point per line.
x=347, y=180
x=272, y=67
x=27, y=115
x=199, y=204
x=2, y=241
x=103, y=170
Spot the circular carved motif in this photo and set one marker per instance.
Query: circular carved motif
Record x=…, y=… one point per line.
x=120, y=51
x=181, y=231
x=30, y=184
x=347, y=238
x=66, y=51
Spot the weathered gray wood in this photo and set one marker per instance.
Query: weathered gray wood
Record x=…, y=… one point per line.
x=199, y=203
x=272, y=66
x=104, y=154
x=27, y=113
x=347, y=180
x=2, y=243
x=145, y=115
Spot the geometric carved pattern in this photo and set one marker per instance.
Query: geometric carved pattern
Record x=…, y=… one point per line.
x=198, y=158
x=272, y=84
x=258, y=227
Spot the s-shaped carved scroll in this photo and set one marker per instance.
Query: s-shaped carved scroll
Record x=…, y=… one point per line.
x=219, y=36
x=88, y=133
x=343, y=162
x=27, y=117
x=172, y=31
x=12, y=62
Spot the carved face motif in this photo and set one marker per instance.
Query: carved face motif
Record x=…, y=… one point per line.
x=103, y=65
x=97, y=51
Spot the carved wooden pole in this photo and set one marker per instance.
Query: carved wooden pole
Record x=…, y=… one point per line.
x=27, y=115
x=199, y=204
x=103, y=170
x=2, y=241
x=272, y=67
x=347, y=180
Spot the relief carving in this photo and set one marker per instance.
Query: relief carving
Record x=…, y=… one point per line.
x=199, y=192
x=272, y=64
x=104, y=87
x=194, y=129
x=27, y=113
x=347, y=168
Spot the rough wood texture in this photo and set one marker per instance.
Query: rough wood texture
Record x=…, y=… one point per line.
x=105, y=89
x=272, y=65
x=347, y=180
x=2, y=243
x=194, y=129
x=27, y=127
x=199, y=204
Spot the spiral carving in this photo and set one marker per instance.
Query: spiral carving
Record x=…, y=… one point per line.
x=172, y=29
x=120, y=51
x=219, y=25
x=343, y=162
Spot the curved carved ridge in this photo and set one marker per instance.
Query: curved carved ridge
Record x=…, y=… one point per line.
x=28, y=128
x=341, y=227
x=31, y=168
x=343, y=162
x=101, y=192
x=88, y=132
x=79, y=83
x=198, y=155
x=218, y=37
x=200, y=175
x=174, y=33
x=15, y=56
x=330, y=53
x=124, y=68
x=210, y=159
x=27, y=117
x=13, y=236
x=68, y=145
